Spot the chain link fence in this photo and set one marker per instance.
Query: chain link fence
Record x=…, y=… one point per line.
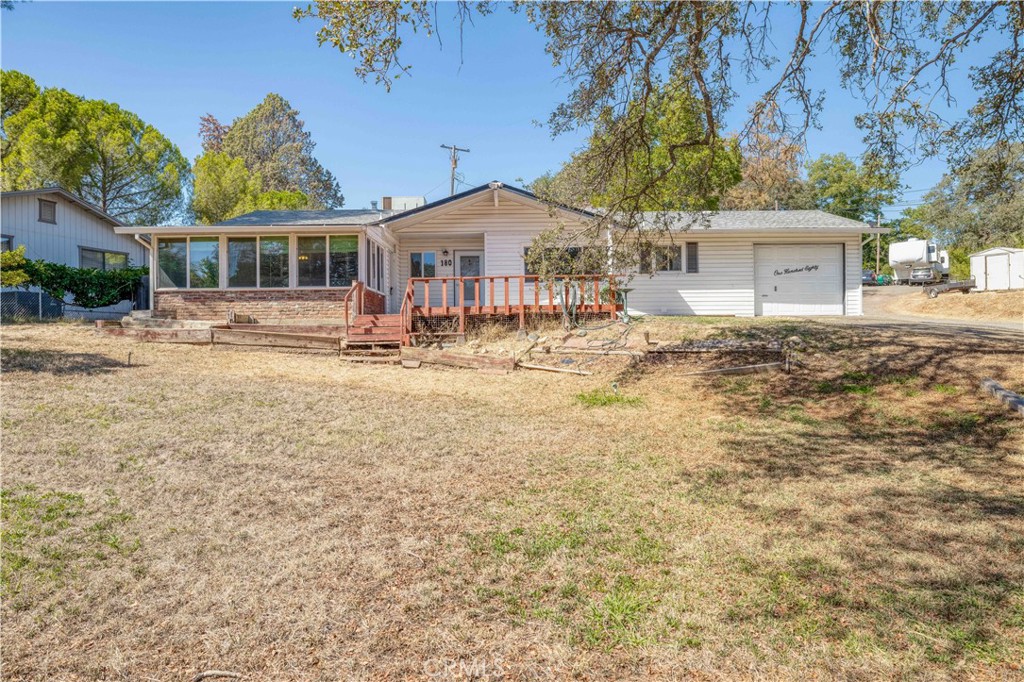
x=18, y=305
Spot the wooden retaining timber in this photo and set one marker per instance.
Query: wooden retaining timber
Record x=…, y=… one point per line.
x=193, y=336
x=1009, y=398
x=412, y=355
x=248, y=337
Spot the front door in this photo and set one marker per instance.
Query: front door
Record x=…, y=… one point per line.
x=470, y=264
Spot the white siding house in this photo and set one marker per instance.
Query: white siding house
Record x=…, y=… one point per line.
x=56, y=226
x=469, y=249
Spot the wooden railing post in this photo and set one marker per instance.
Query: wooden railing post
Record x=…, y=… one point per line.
x=506, y=295
x=476, y=293
x=462, y=311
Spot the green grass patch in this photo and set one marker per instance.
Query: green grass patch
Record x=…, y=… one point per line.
x=47, y=535
x=601, y=397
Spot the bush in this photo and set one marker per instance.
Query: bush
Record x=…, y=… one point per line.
x=89, y=288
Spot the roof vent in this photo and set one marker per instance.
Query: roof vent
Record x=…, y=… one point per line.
x=494, y=184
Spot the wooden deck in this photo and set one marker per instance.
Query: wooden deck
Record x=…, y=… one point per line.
x=505, y=295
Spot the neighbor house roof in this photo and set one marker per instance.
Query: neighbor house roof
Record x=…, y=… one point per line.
x=346, y=216
x=72, y=198
x=758, y=221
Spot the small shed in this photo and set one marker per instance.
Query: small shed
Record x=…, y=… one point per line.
x=998, y=268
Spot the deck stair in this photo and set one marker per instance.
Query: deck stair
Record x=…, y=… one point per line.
x=373, y=338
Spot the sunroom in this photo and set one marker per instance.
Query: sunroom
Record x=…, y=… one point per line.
x=272, y=272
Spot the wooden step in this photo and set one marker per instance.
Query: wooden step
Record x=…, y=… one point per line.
x=393, y=359
x=362, y=320
x=389, y=329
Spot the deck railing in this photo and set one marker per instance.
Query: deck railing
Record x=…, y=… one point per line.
x=505, y=295
x=353, y=302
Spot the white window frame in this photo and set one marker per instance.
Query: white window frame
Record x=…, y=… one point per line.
x=422, y=262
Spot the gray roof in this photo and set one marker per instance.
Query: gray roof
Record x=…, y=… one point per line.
x=766, y=221
x=347, y=216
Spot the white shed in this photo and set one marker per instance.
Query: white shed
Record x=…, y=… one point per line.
x=998, y=268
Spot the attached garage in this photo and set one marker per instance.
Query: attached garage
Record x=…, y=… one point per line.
x=772, y=263
x=799, y=279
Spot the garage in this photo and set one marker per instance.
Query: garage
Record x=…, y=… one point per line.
x=798, y=279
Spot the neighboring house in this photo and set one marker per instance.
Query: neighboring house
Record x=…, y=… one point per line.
x=467, y=252
x=998, y=268
x=56, y=226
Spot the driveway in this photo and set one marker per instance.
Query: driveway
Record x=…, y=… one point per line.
x=878, y=310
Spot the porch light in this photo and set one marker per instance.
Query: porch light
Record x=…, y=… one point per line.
x=444, y=252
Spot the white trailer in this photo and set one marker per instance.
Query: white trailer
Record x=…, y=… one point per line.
x=998, y=269
x=918, y=261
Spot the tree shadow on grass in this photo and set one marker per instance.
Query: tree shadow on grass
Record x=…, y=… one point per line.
x=57, y=362
x=916, y=490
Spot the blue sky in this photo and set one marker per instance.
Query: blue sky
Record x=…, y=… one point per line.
x=172, y=62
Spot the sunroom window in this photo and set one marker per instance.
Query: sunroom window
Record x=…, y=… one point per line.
x=273, y=262
x=204, y=262
x=172, y=256
x=242, y=261
x=312, y=261
x=344, y=260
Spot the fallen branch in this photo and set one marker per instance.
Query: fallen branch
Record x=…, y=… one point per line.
x=745, y=369
x=569, y=350
x=1009, y=398
x=522, y=354
x=215, y=673
x=563, y=370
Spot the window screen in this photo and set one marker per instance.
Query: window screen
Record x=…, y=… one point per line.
x=691, y=257
x=47, y=211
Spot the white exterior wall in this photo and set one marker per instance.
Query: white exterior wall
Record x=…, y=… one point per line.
x=724, y=284
x=19, y=217
x=984, y=262
x=60, y=242
x=501, y=232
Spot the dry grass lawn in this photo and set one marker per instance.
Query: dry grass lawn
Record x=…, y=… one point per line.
x=982, y=305
x=289, y=517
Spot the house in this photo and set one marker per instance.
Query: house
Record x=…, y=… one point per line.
x=56, y=226
x=998, y=269
x=465, y=254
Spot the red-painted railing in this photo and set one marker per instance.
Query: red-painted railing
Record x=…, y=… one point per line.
x=353, y=302
x=505, y=295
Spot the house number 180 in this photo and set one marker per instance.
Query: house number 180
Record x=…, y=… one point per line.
x=447, y=262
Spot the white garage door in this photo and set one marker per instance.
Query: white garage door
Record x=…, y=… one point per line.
x=798, y=279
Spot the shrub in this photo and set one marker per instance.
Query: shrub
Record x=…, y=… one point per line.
x=88, y=287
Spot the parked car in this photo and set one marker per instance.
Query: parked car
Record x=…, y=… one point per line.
x=867, y=277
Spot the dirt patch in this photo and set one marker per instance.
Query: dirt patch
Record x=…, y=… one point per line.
x=980, y=306
x=291, y=517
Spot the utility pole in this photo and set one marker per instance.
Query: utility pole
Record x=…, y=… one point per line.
x=455, y=162
x=878, y=244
